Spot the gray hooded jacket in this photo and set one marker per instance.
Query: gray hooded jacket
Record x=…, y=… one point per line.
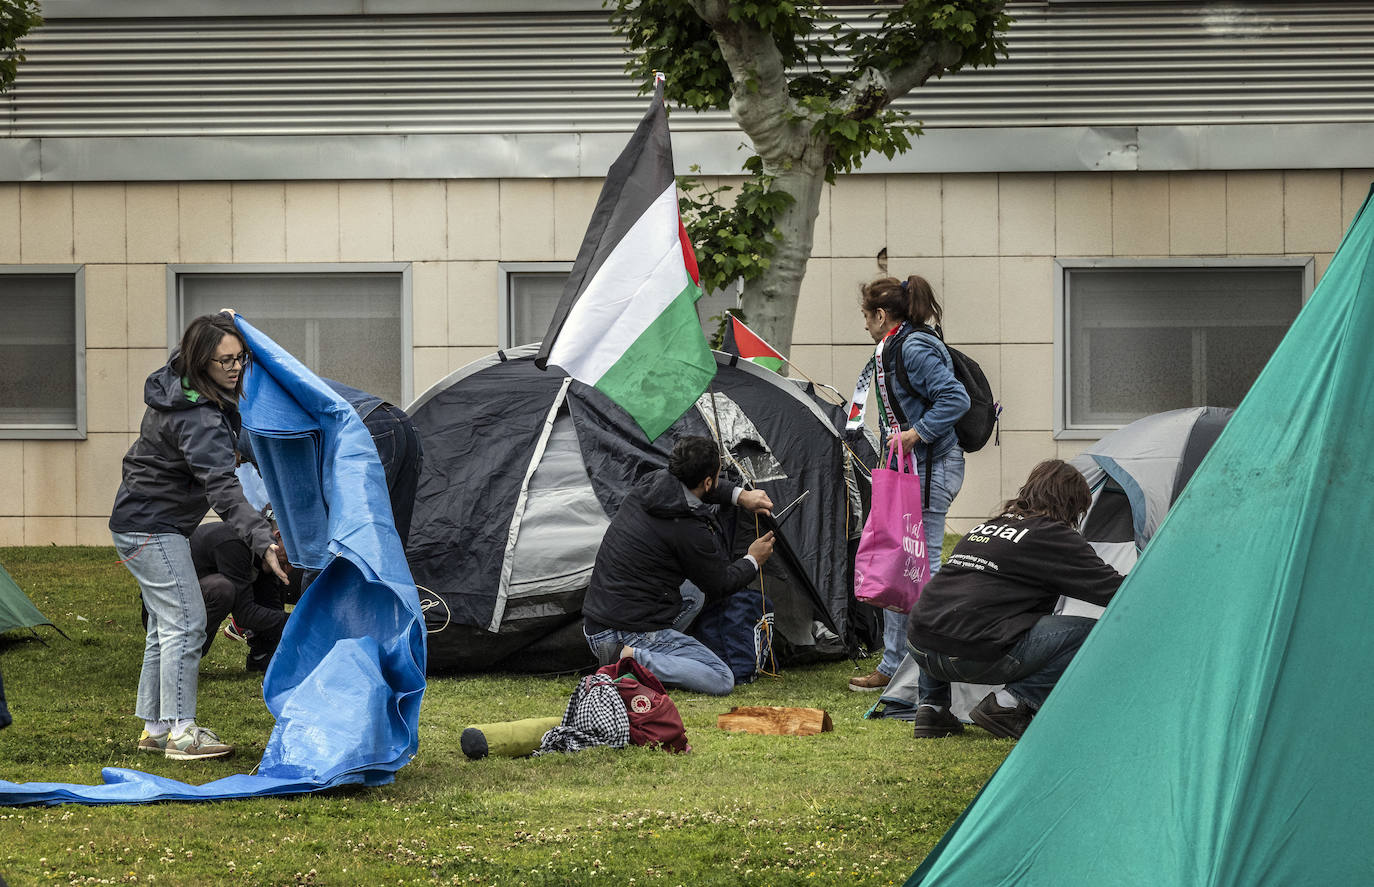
x=182, y=465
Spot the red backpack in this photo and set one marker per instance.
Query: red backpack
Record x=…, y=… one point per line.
x=654, y=718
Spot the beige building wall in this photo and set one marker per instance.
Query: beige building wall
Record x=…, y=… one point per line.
x=986, y=241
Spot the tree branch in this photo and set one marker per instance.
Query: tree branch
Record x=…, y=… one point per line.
x=874, y=89
x=760, y=102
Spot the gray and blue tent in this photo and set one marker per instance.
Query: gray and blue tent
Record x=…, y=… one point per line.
x=524, y=469
x=1135, y=474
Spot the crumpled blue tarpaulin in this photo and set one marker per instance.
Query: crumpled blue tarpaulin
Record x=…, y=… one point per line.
x=345, y=684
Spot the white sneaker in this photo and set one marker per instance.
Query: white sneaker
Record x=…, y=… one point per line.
x=196, y=743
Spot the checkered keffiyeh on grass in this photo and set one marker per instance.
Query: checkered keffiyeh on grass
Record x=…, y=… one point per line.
x=596, y=716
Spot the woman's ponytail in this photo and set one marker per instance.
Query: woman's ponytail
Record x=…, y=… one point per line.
x=923, y=306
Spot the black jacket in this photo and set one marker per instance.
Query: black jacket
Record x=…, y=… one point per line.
x=657, y=539
x=1002, y=577
x=216, y=548
x=182, y=465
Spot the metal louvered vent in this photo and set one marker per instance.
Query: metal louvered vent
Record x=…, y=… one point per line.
x=1089, y=64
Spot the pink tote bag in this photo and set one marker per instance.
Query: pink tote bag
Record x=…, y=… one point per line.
x=891, y=566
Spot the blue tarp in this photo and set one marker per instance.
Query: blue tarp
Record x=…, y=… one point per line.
x=345, y=684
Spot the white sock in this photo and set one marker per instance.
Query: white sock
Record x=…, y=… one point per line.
x=1006, y=700
x=156, y=728
x=935, y=707
x=181, y=725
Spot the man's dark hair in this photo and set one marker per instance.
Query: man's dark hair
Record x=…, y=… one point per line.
x=693, y=460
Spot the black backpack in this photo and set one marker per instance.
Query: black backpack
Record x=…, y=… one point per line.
x=739, y=630
x=977, y=425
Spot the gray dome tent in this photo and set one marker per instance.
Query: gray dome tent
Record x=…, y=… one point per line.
x=523, y=469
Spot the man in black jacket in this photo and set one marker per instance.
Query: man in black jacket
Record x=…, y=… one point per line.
x=665, y=533
x=987, y=616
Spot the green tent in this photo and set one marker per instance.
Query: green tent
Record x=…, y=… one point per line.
x=16, y=610
x=1216, y=727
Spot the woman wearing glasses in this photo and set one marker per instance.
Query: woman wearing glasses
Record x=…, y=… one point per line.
x=181, y=465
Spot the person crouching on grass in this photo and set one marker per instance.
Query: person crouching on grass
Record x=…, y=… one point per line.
x=987, y=617
x=662, y=558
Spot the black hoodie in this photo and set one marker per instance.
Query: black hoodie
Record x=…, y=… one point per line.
x=182, y=465
x=1001, y=578
x=658, y=538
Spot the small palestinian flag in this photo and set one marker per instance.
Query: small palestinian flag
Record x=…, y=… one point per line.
x=741, y=340
x=627, y=322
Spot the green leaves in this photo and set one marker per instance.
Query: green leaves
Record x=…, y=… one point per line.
x=668, y=36
x=974, y=26
x=887, y=132
x=732, y=242
x=17, y=18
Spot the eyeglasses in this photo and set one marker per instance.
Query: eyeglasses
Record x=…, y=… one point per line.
x=226, y=363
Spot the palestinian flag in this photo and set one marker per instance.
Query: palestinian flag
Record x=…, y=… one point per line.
x=627, y=322
x=741, y=340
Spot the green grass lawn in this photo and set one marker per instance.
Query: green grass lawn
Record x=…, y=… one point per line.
x=860, y=805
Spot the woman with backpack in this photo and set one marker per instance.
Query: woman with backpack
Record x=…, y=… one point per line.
x=919, y=399
x=182, y=465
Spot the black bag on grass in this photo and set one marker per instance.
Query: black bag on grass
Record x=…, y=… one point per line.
x=739, y=630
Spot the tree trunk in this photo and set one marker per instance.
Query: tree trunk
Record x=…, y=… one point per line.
x=770, y=300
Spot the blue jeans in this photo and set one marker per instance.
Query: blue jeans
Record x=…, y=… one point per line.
x=677, y=659
x=161, y=562
x=693, y=599
x=947, y=476
x=1030, y=669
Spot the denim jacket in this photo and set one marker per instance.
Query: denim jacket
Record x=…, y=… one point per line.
x=942, y=400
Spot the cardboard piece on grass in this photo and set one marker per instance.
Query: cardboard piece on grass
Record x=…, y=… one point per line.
x=774, y=720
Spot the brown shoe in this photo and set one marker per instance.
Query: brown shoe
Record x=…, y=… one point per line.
x=869, y=683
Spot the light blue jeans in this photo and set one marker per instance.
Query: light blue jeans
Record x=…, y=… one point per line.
x=161, y=562
x=947, y=476
x=678, y=660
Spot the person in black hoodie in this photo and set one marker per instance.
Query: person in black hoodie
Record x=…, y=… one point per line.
x=181, y=465
x=665, y=533
x=987, y=617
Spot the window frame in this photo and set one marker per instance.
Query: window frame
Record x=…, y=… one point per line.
x=506, y=306
x=176, y=321
x=78, y=429
x=1063, y=267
